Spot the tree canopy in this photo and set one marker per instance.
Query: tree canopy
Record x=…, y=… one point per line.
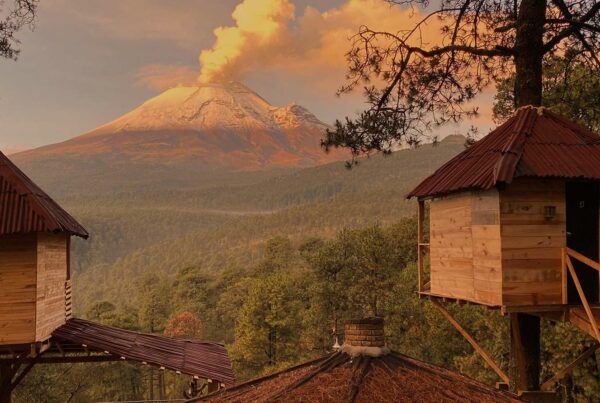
x=568, y=88
x=14, y=16
x=411, y=86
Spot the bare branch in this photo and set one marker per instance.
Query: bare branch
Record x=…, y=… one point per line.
x=573, y=28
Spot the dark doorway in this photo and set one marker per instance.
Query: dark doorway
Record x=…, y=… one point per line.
x=582, y=236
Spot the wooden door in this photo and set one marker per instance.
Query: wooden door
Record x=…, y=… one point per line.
x=582, y=235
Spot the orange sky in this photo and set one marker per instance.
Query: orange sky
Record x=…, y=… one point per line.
x=88, y=62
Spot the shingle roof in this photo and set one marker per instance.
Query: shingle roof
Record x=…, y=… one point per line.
x=25, y=208
x=203, y=359
x=534, y=142
x=338, y=377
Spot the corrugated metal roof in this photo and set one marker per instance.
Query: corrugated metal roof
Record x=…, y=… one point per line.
x=534, y=142
x=24, y=207
x=202, y=359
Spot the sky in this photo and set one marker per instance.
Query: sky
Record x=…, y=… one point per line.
x=86, y=62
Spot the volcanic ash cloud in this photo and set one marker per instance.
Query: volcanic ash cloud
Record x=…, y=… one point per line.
x=259, y=23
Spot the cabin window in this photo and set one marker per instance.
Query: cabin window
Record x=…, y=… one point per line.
x=549, y=212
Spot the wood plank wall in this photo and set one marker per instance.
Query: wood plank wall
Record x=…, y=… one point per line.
x=52, y=275
x=487, y=250
x=465, y=250
x=531, y=244
x=17, y=288
x=451, y=247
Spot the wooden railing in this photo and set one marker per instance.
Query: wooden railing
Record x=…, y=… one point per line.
x=568, y=269
x=423, y=247
x=68, y=302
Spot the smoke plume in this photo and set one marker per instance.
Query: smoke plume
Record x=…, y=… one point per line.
x=259, y=25
x=267, y=36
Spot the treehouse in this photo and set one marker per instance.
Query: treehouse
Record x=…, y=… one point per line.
x=514, y=220
x=36, y=326
x=35, y=232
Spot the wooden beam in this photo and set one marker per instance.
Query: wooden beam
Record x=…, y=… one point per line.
x=566, y=370
x=525, y=352
x=534, y=309
x=471, y=341
x=67, y=359
x=563, y=276
x=584, y=300
x=420, y=239
x=59, y=347
x=7, y=372
x=583, y=259
x=429, y=295
x=22, y=375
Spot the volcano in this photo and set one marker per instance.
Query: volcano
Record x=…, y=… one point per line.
x=225, y=125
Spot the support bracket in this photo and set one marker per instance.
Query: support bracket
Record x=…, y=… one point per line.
x=471, y=341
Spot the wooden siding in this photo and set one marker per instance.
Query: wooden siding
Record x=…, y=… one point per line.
x=531, y=244
x=451, y=247
x=17, y=288
x=487, y=251
x=51, y=278
x=465, y=250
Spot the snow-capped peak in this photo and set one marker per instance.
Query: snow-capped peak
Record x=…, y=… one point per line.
x=210, y=106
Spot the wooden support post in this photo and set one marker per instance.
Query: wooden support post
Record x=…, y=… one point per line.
x=564, y=278
x=566, y=370
x=22, y=375
x=420, y=238
x=471, y=341
x=213, y=386
x=525, y=355
x=7, y=372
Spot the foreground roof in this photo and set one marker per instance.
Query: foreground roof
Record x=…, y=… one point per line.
x=338, y=377
x=202, y=359
x=25, y=208
x=535, y=142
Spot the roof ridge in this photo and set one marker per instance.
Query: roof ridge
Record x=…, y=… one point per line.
x=512, y=151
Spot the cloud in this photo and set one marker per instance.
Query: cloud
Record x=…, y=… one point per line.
x=260, y=26
x=309, y=49
x=184, y=23
x=161, y=77
x=268, y=36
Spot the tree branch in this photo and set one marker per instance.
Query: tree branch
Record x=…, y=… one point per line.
x=573, y=28
x=564, y=9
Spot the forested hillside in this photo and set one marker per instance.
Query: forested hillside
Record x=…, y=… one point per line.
x=271, y=266
x=159, y=231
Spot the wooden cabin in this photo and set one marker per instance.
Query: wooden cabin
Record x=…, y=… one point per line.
x=512, y=213
x=36, y=326
x=35, y=237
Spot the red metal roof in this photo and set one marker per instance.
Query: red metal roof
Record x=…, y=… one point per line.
x=24, y=207
x=202, y=359
x=535, y=142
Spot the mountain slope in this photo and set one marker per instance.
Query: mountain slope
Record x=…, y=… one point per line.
x=213, y=126
x=226, y=225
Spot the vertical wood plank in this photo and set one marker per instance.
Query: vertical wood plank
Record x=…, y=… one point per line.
x=420, y=238
x=564, y=280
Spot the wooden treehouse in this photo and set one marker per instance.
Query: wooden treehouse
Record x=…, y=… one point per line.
x=36, y=325
x=514, y=222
